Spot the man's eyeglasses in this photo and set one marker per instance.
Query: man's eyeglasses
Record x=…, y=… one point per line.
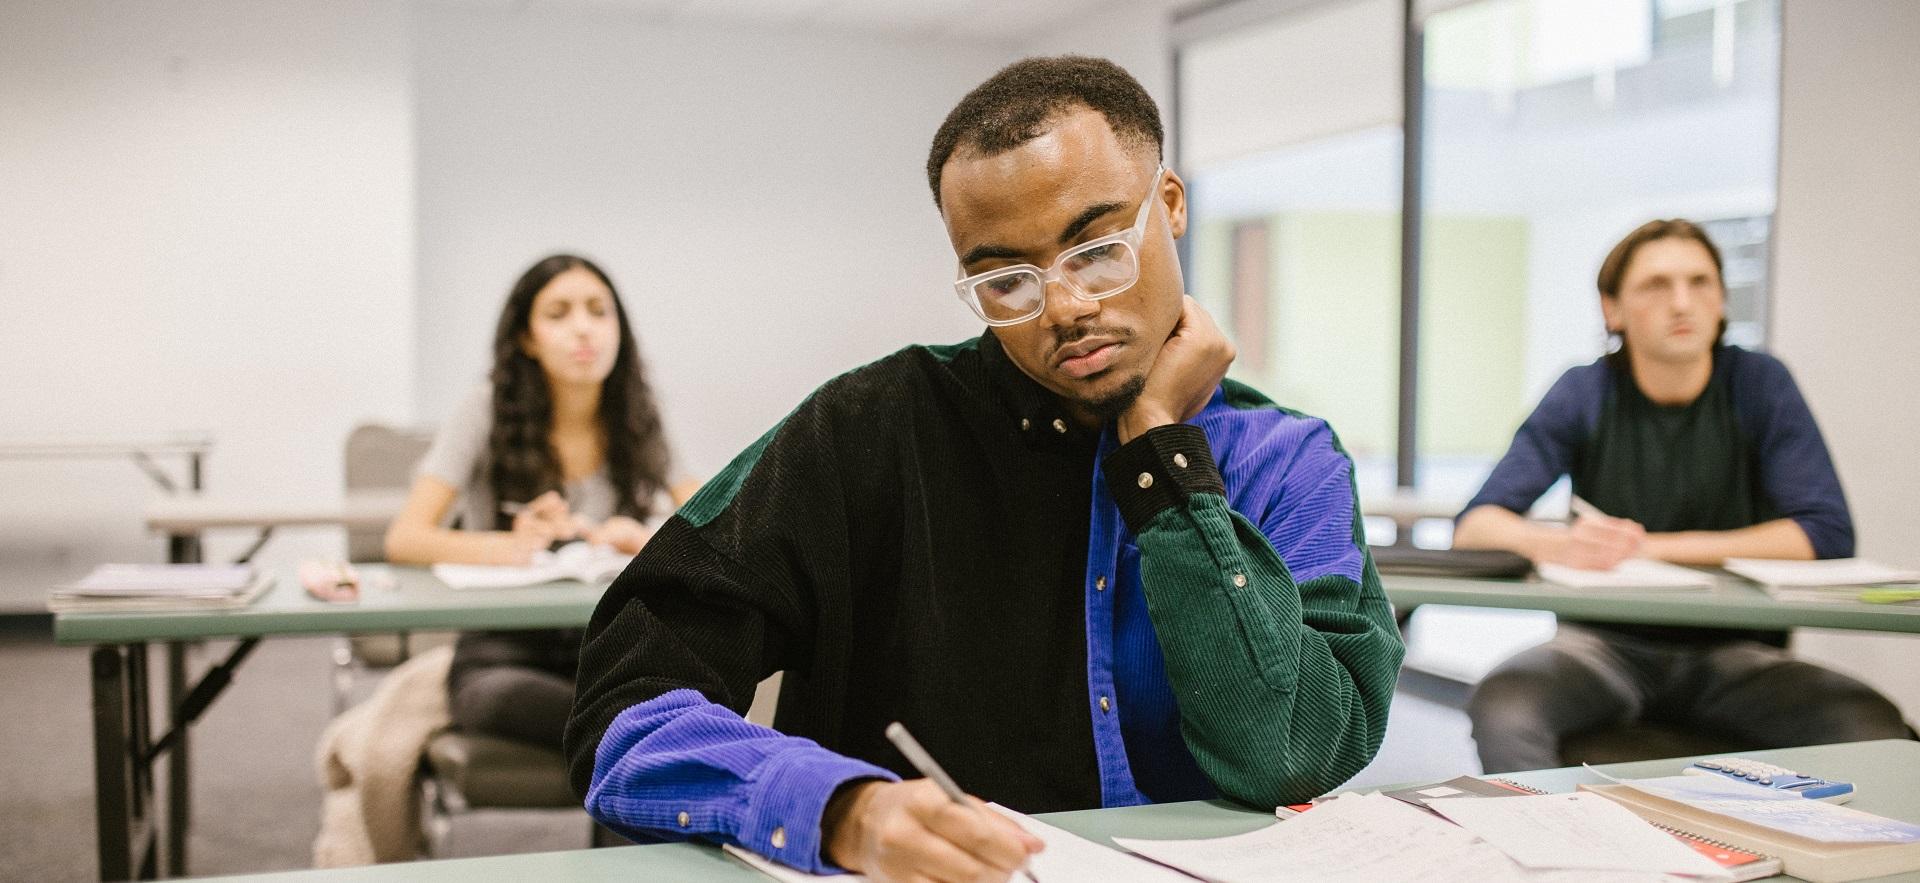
x=1098, y=269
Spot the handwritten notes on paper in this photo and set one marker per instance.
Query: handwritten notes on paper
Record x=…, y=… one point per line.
x=1370, y=838
x=1575, y=831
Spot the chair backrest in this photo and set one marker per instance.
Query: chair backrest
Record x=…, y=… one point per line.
x=380, y=458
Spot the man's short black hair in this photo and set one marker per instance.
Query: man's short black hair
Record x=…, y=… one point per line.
x=1013, y=107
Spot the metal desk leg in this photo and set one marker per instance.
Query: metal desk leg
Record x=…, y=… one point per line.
x=183, y=548
x=122, y=791
x=179, y=781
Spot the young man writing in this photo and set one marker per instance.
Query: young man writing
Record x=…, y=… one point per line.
x=1074, y=563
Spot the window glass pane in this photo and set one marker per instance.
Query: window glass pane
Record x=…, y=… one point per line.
x=1554, y=127
x=1291, y=148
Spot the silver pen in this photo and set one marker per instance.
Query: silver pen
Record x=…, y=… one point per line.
x=922, y=761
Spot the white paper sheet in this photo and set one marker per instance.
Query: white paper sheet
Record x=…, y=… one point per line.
x=1577, y=831
x=783, y=873
x=1820, y=574
x=1358, y=838
x=1633, y=573
x=1068, y=858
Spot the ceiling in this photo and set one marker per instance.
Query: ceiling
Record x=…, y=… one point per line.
x=973, y=20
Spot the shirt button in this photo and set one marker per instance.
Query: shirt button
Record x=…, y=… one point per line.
x=1025, y=424
x=1100, y=585
x=1146, y=480
x=1240, y=580
x=1059, y=426
x=1105, y=706
x=1180, y=460
x=684, y=818
x=779, y=838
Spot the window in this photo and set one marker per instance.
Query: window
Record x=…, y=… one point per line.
x=1554, y=127
x=1550, y=128
x=1290, y=144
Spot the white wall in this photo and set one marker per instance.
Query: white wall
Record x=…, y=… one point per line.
x=1133, y=34
x=758, y=197
x=1846, y=300
x=206, y=223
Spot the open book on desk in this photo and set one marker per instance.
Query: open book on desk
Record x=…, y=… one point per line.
x=1633, y=573
x=573, y=561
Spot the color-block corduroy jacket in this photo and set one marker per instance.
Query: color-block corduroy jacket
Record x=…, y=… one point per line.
x=1065, y=623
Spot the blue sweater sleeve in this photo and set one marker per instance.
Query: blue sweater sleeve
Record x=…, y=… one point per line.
x=1543, y=449
x=1796, y=472
x=678, y=764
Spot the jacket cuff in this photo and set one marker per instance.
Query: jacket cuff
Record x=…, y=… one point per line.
x=1159, y=470
x=783, y=815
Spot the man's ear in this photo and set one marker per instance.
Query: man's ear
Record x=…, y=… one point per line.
x=1610, y=313
x=1174, y=191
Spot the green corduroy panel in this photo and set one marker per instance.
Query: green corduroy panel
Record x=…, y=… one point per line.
x=1283, y=687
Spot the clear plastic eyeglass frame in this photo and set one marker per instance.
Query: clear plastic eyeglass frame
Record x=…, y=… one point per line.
x=1073, y=269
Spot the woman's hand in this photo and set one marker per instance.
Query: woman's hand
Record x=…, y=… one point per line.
x=622, y=533
x=547, y=516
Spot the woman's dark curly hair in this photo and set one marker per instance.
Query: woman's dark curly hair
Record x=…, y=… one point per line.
x=521, y=463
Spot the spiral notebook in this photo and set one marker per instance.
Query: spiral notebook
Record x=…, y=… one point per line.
x=1743, y=864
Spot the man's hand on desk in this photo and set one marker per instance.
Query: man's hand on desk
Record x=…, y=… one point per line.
x=1594, y=543
x=911, y=831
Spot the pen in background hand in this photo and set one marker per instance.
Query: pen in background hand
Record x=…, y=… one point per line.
x=922, y=761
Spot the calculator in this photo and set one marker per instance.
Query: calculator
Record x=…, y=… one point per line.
x=1779, y=778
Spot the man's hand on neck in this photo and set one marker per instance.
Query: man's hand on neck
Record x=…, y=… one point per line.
x=1183, y=377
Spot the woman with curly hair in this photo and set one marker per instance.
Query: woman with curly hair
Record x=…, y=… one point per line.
x=563, y=443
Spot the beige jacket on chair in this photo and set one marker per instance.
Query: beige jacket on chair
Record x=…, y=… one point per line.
x=369, y=759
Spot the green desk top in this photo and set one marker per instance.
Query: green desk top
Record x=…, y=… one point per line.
x=420, y=602
x=1731, y=603
x=416, y=602
x=1887, y=774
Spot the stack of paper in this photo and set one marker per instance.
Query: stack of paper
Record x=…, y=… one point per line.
x=1369, y=838
x=161, y=587
x=1633, y=573
x=1837, y=579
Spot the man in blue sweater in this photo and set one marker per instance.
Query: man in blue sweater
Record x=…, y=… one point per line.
x=1697, y=452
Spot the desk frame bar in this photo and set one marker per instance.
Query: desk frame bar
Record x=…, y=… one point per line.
x=179, y=780
x=128, y=846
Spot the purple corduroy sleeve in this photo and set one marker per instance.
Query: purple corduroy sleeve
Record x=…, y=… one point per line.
x=678, y=765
